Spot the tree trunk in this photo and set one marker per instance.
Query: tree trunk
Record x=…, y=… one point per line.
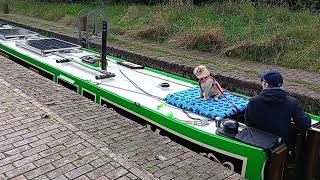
x=184, y=3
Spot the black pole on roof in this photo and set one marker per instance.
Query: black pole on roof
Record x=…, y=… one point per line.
x=104, y=45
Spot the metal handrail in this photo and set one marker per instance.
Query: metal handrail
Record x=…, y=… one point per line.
x=87, y=12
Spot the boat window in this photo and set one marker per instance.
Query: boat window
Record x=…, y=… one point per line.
x=89, y=95
x=42, y=73
x=33, y=68
x=67, y=85
x=104, y=102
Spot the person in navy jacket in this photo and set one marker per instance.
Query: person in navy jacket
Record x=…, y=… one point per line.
x=273, y=110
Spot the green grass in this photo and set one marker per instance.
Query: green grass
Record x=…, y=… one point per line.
x=265, y=34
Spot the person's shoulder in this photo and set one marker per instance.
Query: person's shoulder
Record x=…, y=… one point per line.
x=255, y=98
x=292, y=99
x=292, y=102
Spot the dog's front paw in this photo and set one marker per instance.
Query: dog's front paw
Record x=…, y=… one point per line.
x=216, y=98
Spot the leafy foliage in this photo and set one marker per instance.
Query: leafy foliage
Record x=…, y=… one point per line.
x=312, y=4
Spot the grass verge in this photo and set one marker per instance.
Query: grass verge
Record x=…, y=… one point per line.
x=265, y=34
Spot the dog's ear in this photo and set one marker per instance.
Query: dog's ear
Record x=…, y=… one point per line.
x=196, y=70
x=199, y=70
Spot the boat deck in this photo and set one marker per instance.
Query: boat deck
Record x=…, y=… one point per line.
x=120, y=85
x=156, y=154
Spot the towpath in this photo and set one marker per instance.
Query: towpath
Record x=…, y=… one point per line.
x=50, y=132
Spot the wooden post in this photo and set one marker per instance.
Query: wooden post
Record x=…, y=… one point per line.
x=276, y=163
x=83, y=23
x=313, y=148
x=307, y=154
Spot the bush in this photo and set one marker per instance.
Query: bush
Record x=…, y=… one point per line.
x=267, y=51
x=202, y=39
x=158, y=29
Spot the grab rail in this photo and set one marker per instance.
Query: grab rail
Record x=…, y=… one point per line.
x=83, y=22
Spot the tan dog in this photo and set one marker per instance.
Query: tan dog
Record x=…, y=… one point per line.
x=208, y=85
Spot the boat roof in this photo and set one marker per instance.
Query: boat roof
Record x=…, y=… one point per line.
x=145, y=79
x=149, y=81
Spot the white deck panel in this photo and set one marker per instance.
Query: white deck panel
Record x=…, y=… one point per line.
x=145, y=81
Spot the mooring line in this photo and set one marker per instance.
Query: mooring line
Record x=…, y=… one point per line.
x=152, y=75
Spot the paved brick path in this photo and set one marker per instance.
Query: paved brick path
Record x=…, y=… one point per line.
x=37, y=144
x=83, y=136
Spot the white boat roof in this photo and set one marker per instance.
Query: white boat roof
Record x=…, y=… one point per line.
x=149, y=81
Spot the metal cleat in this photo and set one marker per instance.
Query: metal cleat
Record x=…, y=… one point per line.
x=106, y=75
x=62, y=60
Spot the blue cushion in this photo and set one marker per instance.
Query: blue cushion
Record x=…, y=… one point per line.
x=189, y=100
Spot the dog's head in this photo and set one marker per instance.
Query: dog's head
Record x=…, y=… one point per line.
x=201, y=72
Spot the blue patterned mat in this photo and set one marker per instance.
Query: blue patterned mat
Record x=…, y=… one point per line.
x=189, y=100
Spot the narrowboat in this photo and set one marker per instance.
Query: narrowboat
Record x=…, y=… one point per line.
x=167, y=101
